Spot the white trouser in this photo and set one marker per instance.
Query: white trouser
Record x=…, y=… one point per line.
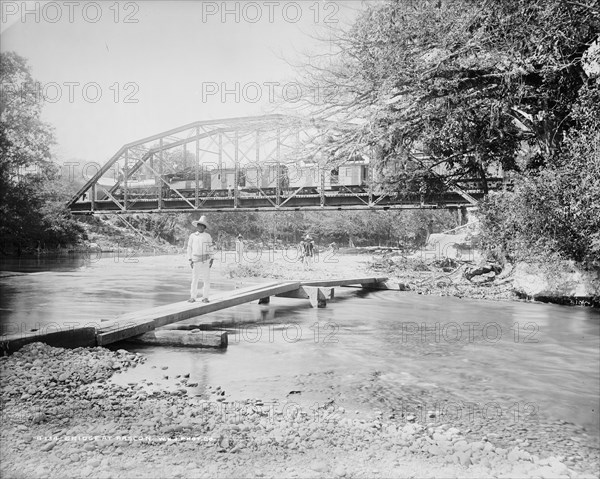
x=200, y=272
x=307, y=261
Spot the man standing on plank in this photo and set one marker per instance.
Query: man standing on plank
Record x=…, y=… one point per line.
x=200, y=255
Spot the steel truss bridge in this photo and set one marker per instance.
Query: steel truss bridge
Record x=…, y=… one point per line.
x=269, y=163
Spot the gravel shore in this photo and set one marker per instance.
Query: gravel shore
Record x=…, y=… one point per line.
x=62, y=417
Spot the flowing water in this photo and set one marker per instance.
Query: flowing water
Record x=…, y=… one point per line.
x=384, y=349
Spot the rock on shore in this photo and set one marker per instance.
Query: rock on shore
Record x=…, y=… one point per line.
x=62, y=417
x=557, y=282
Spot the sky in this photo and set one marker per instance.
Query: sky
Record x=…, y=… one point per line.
x=112, y=72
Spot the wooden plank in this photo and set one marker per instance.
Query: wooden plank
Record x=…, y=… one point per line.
x=123, y=330
x=195, y=338
x=385, y=285
x=137, y=323
x=168, y=314
x=343, y=282
x=197, y=309
x=179, y=307
x=61, y=338
x=299, y=293
x=183, y=305
x=129, y=325
x=173, y=308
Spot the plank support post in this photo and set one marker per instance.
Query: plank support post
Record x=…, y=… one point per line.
x=265, y=300
x=381, y=285
x=316, y=296
x=196, y=338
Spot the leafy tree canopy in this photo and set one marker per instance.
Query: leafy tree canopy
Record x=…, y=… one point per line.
x=32, y=210
x=462, y=82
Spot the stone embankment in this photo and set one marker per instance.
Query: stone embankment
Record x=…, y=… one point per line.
x=63, y=417
x=450, y=265
x=563, y=283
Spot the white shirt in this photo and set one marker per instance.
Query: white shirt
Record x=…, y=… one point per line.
x=200, y=247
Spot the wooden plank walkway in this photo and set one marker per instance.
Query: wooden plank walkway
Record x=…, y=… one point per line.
x=139, y=322
x=324, y=283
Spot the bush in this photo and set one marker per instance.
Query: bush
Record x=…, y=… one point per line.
x=553, y=212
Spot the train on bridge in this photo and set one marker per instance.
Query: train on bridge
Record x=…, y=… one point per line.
x=267, y=180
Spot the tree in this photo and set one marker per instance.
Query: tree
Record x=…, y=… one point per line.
x=555, y=210
x=31, y=212
x=460, y=82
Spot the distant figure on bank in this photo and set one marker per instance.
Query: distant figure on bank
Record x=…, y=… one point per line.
x=200, y=255
x=333, y=247
x=308, y=251
x=239, y=248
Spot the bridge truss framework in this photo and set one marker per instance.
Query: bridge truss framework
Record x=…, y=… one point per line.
x=238, y=145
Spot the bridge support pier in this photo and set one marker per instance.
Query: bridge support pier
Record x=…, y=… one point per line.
x=314, y=294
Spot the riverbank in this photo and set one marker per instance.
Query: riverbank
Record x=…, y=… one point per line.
x=63, y=417
x=415, y=274
x=423, y=273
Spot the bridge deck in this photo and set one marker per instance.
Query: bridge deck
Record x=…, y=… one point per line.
x=304, y=202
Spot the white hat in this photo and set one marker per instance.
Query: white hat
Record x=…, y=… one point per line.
x=201, y=221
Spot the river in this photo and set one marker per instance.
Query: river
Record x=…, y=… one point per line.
x=385, y=349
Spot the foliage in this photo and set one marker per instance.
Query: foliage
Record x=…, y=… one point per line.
x=359, y=228
x=457, y=85
x=555, y=211
x=32, y=210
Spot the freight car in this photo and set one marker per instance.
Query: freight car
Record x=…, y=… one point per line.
x=252, y=181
